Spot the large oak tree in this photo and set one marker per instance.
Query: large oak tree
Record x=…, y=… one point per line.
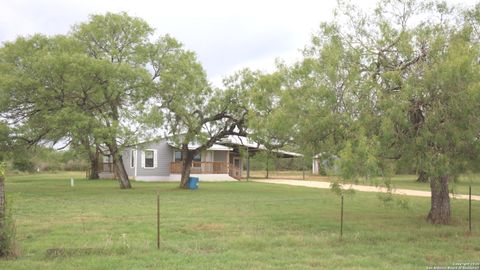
x=89, y=87
x=194, y=113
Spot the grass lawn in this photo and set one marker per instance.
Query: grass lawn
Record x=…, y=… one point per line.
x=398, y=181
x=235, y=225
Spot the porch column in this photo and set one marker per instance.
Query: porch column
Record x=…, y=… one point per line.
x=248, y=165
x=228, y=162
x=303, y=167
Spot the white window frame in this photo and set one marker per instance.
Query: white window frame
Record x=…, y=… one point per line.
x=133, y=158
x=174, y=156
x=155, y=159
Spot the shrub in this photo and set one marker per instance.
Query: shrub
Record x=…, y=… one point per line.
x=23, y=164
x=75, y=165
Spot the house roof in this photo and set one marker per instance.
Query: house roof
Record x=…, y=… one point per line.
x=233, y=141
x=288, y=153
x=254, y=146
x=219, y=147
x=242, y=141
x=193, y=146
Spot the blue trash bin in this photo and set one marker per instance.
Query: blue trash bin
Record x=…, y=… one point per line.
x=193, y=182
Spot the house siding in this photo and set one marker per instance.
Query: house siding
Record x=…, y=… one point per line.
x=164, y=157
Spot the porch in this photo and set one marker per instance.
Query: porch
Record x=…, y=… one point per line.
x=209, y=167
x=212, y=167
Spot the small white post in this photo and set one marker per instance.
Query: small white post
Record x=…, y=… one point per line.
x=72, y=182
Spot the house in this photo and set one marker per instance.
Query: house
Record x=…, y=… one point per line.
x=162, y=160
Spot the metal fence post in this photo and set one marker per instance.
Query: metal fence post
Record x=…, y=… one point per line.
x=470, y=208
x=341, y=219
x=158, y=220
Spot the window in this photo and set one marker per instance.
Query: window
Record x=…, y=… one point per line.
x=197, y=158
x=132, y=158
x=149, y=156
x=178, y=156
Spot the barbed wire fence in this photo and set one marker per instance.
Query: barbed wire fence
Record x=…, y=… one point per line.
x=158, y=220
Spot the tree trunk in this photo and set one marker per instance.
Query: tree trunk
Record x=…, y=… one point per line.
x=119, y=168
x=92, y=156
x=94, y=166
x=93, y=175
x=440, y=203
x=2, y=201
x=187, y=158
x=121, y=173
x=422, y=177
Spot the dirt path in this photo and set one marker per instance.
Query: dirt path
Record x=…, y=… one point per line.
x=318, y=184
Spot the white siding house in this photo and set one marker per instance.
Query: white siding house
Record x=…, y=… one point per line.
x=161, y=161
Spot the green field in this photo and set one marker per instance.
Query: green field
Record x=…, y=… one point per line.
x=239, y=225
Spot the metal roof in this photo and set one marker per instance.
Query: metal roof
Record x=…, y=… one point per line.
x=227, y=143
x=214, y=147
x=251, y=145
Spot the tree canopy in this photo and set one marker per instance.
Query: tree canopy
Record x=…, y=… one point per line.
x=89, y=87
x=193, y=112
x=402, y=84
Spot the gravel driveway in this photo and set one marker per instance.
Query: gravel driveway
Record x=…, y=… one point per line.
x=319, y=184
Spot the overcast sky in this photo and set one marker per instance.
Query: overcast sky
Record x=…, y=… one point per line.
x=226, y=35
